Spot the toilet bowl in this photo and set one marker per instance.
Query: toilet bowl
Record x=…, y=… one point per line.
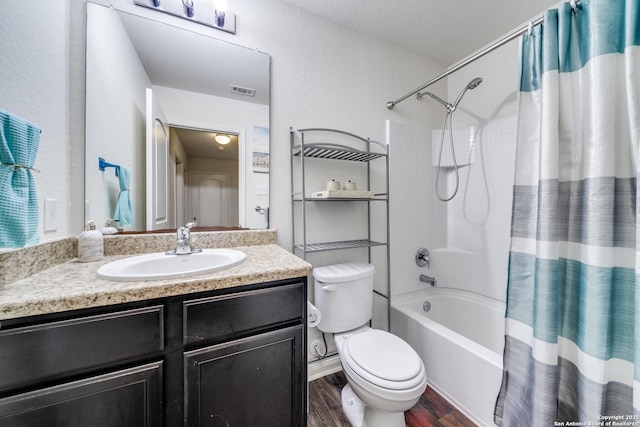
x=385, y=375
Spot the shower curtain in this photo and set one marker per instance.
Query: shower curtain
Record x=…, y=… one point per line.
x=572, y=346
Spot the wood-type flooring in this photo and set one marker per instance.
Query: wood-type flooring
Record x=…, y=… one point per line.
x=325, y=408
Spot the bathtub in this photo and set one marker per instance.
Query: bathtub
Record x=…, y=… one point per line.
x=460, y=340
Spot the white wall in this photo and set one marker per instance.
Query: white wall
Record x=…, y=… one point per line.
x=116, y=109
x=42, y=75
x=324, y=75
x=411, y=174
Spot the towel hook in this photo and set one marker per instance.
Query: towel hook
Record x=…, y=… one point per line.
x=102, y=164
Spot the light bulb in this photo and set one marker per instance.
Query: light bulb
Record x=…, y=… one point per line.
x=187, y=8
x=222, y=139
x=220, y=7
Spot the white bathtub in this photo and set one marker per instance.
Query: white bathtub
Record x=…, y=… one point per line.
x=460, y=340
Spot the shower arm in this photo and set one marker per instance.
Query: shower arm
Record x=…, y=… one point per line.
x=448, y=106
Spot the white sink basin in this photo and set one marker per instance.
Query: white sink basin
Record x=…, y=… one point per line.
x=158, y=266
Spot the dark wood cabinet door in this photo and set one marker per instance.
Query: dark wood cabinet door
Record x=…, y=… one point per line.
x=126, y=398
x=255, y=381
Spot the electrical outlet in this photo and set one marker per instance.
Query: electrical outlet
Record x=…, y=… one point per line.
x=50, y=214
x=261, y=190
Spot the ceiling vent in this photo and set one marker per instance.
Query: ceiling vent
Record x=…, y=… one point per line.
x=239, y=90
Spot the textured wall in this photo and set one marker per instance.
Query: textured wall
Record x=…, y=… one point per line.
x=41, y=82
x=324, y=75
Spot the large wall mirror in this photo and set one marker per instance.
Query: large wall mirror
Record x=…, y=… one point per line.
x=181, y=117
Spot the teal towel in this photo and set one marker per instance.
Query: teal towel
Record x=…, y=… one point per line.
x=124, y=210
x=19, y=141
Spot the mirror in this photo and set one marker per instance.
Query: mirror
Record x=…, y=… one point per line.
x=179, y=89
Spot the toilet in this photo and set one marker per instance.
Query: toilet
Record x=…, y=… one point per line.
x=385, y=376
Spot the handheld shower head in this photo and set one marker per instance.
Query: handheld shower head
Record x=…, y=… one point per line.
x=448, y=119
x=472, y=85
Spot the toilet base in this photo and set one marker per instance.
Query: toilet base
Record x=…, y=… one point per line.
x=360, y=415
x=352, y=406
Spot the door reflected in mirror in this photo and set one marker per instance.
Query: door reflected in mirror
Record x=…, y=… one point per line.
x=157, y=95
x=211, y=198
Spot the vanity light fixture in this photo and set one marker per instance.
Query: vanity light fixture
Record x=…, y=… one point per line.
x=212, y=14
x=222, y=139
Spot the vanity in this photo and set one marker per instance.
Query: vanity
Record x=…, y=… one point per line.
x=224, y=348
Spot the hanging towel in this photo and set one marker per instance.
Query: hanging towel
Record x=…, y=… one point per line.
x=124, y=210
x=19, y=141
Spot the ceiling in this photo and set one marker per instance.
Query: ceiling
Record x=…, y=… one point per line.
x=201, y=144
x=445, y=31
x=168, y=53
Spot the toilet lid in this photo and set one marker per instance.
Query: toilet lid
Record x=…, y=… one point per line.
x=380, y=355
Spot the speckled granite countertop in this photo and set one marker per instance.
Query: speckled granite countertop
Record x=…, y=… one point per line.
x=73, y=285
x=24, y=262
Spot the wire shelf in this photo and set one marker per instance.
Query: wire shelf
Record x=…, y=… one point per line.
x=331, y=246
x=376, y=198
x=335, y=152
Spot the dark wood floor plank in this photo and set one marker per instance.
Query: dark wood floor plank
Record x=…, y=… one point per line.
x=325, y=407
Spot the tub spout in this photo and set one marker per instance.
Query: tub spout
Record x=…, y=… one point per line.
x=428, y=279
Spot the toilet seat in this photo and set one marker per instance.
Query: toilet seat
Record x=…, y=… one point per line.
x=384, y=360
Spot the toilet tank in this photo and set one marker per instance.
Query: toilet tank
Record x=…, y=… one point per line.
x=344, y=295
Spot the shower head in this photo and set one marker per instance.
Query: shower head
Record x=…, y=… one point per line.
x=472, y=85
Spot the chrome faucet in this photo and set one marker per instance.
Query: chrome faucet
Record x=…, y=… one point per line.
x=428, y=279
x=184, y=246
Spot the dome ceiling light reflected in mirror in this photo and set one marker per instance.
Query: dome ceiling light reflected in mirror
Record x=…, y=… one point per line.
x=222, y=139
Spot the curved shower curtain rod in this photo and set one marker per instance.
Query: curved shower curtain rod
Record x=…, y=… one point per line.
x=471, y=59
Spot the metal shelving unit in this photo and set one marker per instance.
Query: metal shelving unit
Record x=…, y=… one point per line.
x=332, y=144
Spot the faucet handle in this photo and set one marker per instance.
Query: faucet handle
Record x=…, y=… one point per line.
x=183, y=233
x=193, y=248
x=423, y=258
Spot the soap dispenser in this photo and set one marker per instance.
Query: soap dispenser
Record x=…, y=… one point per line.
x=90, y=244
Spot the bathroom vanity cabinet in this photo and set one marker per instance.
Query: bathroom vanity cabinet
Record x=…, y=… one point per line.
x=232, y=357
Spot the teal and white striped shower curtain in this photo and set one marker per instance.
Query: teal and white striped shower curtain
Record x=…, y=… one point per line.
x=572, y=350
